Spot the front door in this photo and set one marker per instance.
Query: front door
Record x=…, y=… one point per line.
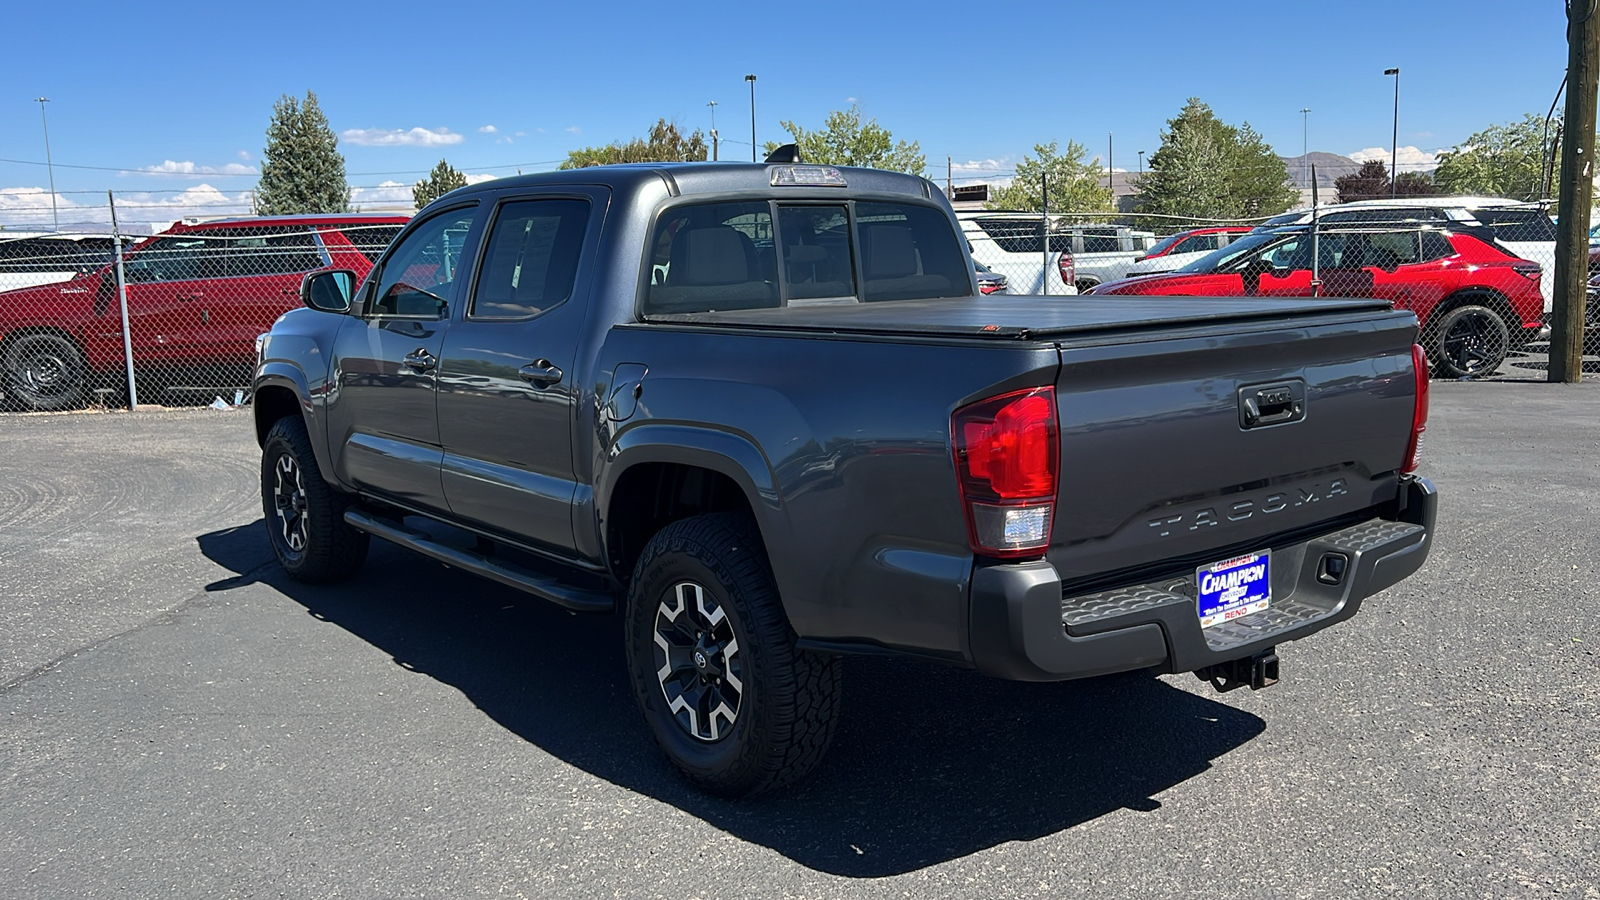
x=508, y=388
x=383, y=427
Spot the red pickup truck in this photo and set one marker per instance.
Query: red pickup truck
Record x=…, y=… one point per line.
x=198, y=295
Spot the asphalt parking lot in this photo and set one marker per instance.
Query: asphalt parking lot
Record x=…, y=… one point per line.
x=182, y=721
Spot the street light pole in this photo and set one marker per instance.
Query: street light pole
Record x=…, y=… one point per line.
x=1141, y=163
x=48, y=164
x=713, y=105
x=752, y=80
x=1305, y=143
x=1394, y=151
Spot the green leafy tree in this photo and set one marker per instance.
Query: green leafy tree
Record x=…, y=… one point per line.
x=1206, y=168
x=1074, y=183
x=302, y=170
x=1500, y=161
x=666, y=143
x=442, y=180
x=844, y=141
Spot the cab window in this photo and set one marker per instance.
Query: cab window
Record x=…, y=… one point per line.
x=418, y=275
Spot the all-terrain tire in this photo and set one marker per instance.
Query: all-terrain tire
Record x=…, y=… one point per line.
x=703, y=588
x=1469, y=341
x=304, y=514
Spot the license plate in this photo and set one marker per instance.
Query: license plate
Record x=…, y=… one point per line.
x=1233, y=588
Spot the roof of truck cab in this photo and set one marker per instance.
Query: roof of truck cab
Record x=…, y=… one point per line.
x=709, y=177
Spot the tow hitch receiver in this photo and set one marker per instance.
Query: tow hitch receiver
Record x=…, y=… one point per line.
x=1255, y=672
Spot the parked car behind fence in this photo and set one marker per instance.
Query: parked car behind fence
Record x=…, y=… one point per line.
x=197, y=297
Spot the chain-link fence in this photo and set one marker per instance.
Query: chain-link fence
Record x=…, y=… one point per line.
x=1479, y=274
x=102, y=318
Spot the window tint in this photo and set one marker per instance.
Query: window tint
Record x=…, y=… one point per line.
x=1436, y=246
x=417, y=277
x=249, y=255
x=1511, y=223
x=1023, y=236
x=1391, y=249
x=1197, y=244
x=1101, y=242
x=713, y=256
x=816, y=251
x=371, y=240
x=909, y=252
x=176, y=258
x=532, y=259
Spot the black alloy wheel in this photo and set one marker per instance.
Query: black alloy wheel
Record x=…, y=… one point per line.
x=1473, y=341
x=44, y=372
x=697, y=662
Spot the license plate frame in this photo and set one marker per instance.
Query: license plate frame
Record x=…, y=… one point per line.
x=1232, y=588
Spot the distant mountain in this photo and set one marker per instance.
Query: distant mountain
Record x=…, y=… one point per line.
x=1329, y=166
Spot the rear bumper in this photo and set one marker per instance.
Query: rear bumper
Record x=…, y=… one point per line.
x=1024, y=629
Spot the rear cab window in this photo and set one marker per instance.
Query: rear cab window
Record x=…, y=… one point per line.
x=710, y=257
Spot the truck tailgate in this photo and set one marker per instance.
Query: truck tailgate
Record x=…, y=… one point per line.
x=1184, y=450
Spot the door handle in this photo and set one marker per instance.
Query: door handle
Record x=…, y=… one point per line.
x=194, y=296
x=540, y=373
x=420, y=360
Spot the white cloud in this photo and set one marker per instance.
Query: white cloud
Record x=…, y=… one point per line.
x=1411, y=158
x=387, y=195
x=525, y=134
x=851, y=100
x=488, y=129
x=980, y=171
x=138, y=212
x=244, y=154
x=171, y=167
x=386, y=137
x=480, y=177
x=574, y=129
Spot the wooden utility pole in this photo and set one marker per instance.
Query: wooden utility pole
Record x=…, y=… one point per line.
x=1576, y=193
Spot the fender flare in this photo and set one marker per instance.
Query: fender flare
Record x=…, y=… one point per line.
x=280, y=374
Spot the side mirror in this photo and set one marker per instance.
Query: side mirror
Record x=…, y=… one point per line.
x=330, y=290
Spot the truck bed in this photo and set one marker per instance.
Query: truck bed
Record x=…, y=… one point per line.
x=1023, y=317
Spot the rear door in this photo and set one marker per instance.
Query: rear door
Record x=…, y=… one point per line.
x=508, y=388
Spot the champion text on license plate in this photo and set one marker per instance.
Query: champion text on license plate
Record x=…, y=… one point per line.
x=1233, y=588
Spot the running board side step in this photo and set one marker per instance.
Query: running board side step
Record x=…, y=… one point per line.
x=542, y=586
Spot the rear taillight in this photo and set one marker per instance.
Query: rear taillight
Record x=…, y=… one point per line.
x=1068, y=268
x=1007, y=450
x=1419, y=411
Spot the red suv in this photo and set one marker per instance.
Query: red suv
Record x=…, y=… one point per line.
x=1474, y=300
x=198, y=295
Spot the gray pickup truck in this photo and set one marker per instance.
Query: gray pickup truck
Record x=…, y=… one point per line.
x=763, y=412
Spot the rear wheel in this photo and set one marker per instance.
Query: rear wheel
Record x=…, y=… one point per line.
x=304, y=514
x=736, y=706
x=1471, y=341
x=44, y=372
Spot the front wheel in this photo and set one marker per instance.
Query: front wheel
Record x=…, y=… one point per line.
x=736, y=706
x=304, y=514
x=1471, y=341
x=44, y=372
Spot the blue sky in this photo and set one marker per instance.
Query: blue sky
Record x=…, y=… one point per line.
x=136, y=87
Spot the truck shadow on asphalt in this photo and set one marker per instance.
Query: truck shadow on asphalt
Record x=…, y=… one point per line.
x=930, y=763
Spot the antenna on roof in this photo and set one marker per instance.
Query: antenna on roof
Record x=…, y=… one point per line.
x=788, y=153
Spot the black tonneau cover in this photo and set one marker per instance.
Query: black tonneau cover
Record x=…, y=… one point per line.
x=1021, y=317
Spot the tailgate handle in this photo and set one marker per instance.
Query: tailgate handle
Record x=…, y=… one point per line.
x=1272, y=404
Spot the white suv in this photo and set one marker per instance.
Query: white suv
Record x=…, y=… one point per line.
x=1080, y=256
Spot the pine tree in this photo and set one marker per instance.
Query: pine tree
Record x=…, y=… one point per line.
x=302, y=170
x=442, y=180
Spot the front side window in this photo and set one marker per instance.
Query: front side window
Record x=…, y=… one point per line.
x=1101, y=242
x=417, y=277
x=183, y=257
x=532, y=259
x=244, y=255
